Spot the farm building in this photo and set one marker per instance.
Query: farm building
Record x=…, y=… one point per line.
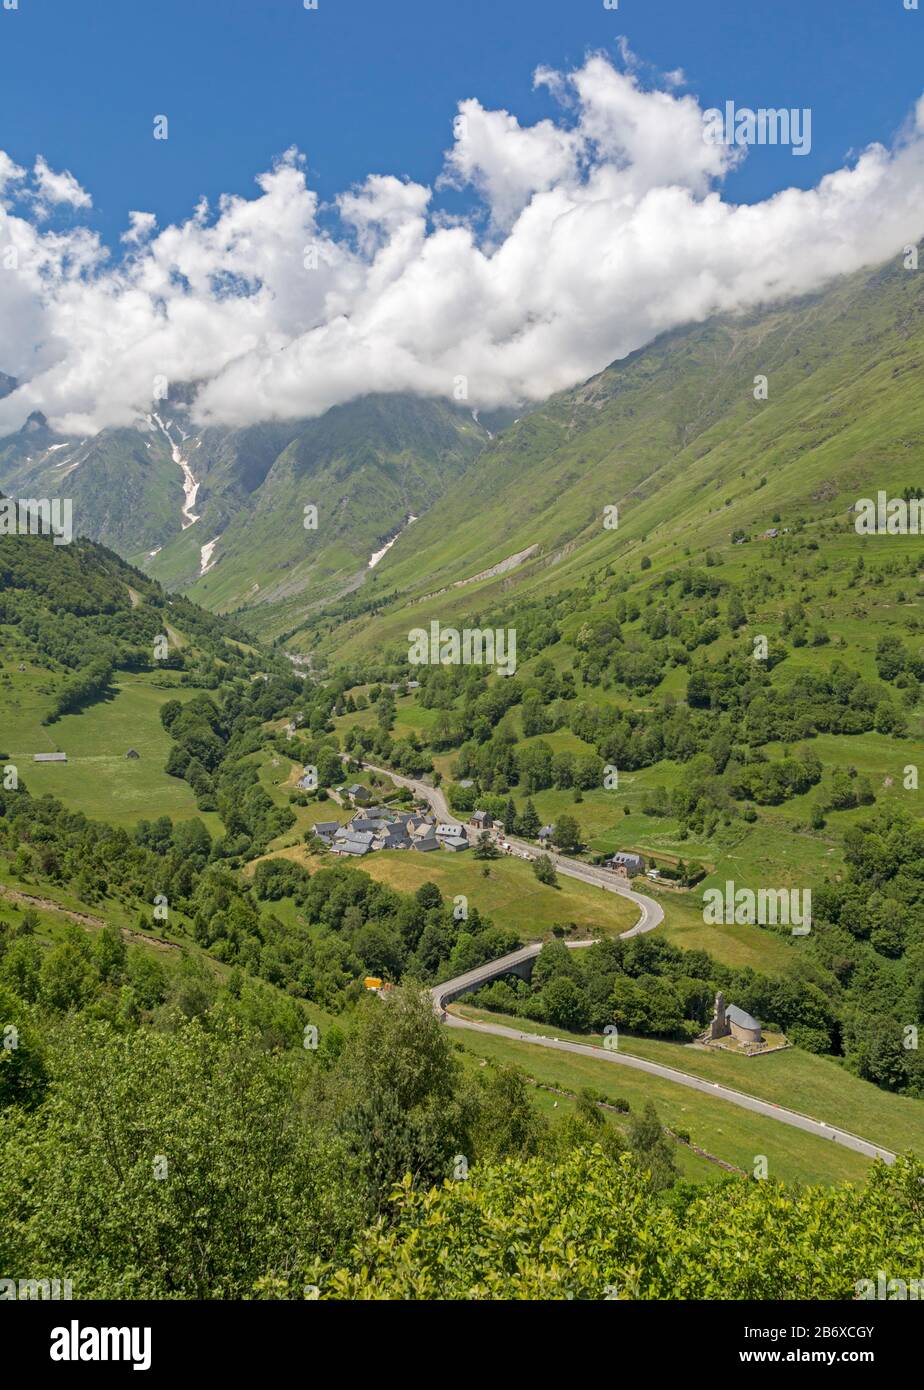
x=49, y=757
x=351, y=842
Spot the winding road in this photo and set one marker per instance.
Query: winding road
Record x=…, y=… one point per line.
x=651, y=915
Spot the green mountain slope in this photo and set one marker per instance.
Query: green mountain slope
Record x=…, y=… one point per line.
x=674, y=438
x=125, y=488
x=366, y=467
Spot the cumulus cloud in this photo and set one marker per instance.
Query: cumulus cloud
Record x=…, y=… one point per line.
x=57, y=189
x=587, y=237
x=140, y=227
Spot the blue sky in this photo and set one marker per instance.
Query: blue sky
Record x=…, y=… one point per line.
x=371, y=85
x=563, y=235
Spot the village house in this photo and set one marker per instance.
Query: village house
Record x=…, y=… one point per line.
x=350, y=841
x=626, y=865
x=454, y=843
x=325, y=829
x=480, y=820
x=392, y=837
x=359, y=795
x=452, y=837
x=545, y=835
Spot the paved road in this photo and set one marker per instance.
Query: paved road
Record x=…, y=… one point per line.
x=451, y=989
x=651, y=912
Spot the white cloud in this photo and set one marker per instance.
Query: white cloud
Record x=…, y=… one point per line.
x=140, y=227
x=590, y=235
x=57, y=189
x=10, y=172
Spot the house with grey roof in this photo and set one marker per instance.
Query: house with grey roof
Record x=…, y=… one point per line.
x=425, y=842
x=359, y=795
x=325, y=829
x=352, y=843
x=454, y=843
x=626, y=864
x=392, y=837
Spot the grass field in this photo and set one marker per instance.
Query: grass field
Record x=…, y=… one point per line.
x=555, y=1108
x=815, y=1086
x=97, y=778
x=511, y=895
x=736, y=1135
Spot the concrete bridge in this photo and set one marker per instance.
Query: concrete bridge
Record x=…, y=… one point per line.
x=519, y=962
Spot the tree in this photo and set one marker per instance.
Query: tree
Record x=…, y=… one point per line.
x=652, y=1148
x=485, y=847
x=429, y=896
x=170, y=1166
x=67, y=979
x=544, y=870
x=566, y=1004
x=507, y=1122
x=109, y=954
x=736, y=614
x=395, y=1092
x=567, y=834
x=23, y=1073
x=592, y=1225
x=529, y=823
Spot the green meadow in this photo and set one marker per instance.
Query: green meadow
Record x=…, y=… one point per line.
x=98, y=779
x=735, y=1135
x=815, y=1086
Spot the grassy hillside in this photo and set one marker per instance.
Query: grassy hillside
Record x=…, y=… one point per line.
x=125, y=489
x=80, y=674
x=748, y=665
x=674, y=438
